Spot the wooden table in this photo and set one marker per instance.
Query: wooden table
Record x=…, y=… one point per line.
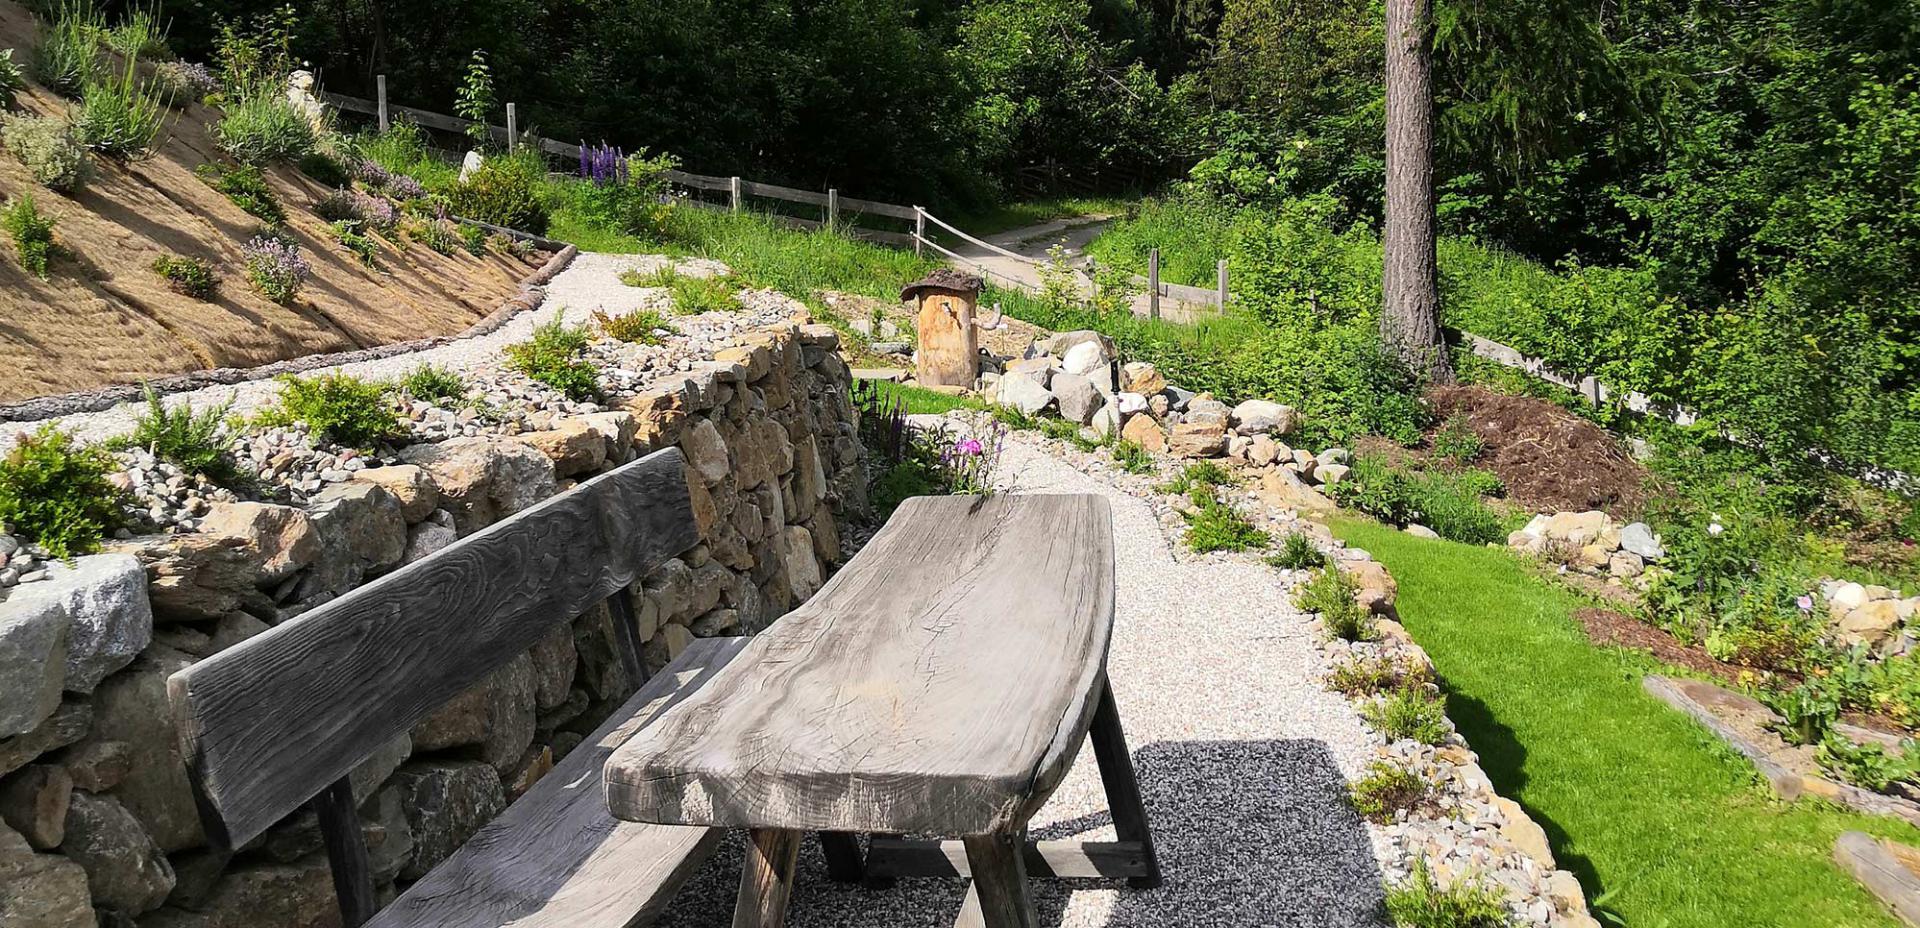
x=940, y=684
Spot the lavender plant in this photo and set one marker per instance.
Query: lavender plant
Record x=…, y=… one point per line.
x=185, y=82
x=276, y=268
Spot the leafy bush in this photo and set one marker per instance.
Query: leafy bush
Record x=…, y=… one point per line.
x=54, y=491
x=195, y=442
x=276, y=268
x=32, y=233
x=121, y=117
x=1409, y=712
x=643, y=326
x=68, y=57
x=1298, y=552
x=1421, y=903
x=187, y=276
x=1448, y=503
x=262, y=128
x=474, y=240
x=246, y=187
x=338, y=407
x=180, y=82
x=46, y=145
x=1387, y=789
x=1807, y=713
x=504, y=191
x=433, y=384
x=1455, y=441
x=140, y=34
x=553, y=356
x=348, y=233
x=1330, y=594
x=11, y=80
x=1199, y=474
x=1868, y=766
x=1132, y=458
x=629, y=193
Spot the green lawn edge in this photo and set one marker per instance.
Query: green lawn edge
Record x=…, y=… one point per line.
x=1664, y=825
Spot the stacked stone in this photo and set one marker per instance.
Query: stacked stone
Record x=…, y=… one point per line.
x=1871, y=615
x=1592, y=542
x=97, y=825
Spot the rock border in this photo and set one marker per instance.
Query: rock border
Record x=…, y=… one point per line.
x=1876, y=867
x=532, y=294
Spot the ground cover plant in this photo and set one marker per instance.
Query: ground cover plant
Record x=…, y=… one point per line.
x=1614, y=776
x=260, y=127
x=246, y=187
x=554, y=355
x=434, y=384
x=1387, y=789
x=1449, y=502
x=641, y=326
x=54, y=492
x=187, y=276
x=67, y=56
x=339, y=407
x=1421, y=902
x=197, y=442
x=48, y=147
x=31, y=231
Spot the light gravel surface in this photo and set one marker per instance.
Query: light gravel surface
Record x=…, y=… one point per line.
x=1242, y=759
x=591, y=282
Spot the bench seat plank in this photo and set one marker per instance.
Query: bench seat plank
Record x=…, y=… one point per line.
x=941, y=682
x=556, y=858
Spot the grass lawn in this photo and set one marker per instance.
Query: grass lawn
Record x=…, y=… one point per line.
x=922, y=401
x=1663, y=824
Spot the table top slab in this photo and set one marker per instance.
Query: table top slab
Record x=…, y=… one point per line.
x=941, y=682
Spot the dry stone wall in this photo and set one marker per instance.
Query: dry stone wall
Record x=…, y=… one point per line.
x=96, y=822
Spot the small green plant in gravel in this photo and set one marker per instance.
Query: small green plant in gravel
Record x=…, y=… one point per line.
x=1069, y=432
x=1298, y=552
x=434, y=384
x=695, y=295
x=640, y=327
x=1215, y=526
x=553, y=356
x=47, y=146
x=11, y=80
x=1387, y=789
x=1409, y=712
x=54, y=491
x=32, y=233
x=339, y=407
x=658, y=277
x=1371, y=676
x=197, y=442
x=1330, y=593
x=1198, y=474
x=1421, y=903
x=246, y=187
x=1014, y=419
x=187, y=276
x=68, y=56
x=1455, y=441
x=1132, y=458
x=121, y=117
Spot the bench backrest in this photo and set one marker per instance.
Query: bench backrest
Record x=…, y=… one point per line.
x=271, y=722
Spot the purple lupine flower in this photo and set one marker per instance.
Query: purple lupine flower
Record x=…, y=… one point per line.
x=603, y=164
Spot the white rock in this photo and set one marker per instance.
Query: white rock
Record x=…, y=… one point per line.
x=1024, y=394
x=104, y=597
x=1084, y=358
x=1638, y=538
x=1261, y=417
x=1106, y=422
x=1130, y=403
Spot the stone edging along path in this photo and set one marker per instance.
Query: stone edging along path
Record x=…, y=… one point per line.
x=531, y=295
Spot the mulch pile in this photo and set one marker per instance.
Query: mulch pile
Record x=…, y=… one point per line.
x=1550, y=459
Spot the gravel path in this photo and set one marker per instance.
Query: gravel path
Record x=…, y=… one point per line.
x=1241, y=757
x=591, y=282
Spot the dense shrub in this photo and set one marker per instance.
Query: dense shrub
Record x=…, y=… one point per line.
x=1215, y=526
x=641, y=326
x=262, y=128
x=68, y=57
x=31, y=231
x=46, y=145
x=246, y=187
x=1445, y=501
x=629, y=193
x=196, y=442
x=433, y=384
x=1298, y=552
x=54, y=491
x=121, y=117
x=338, y=407
x=504, y=191
x=554, y=356
x=11, y=80
x=276, y=268
x=187, y=276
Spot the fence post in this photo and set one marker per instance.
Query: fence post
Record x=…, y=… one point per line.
x=833, y=207
x=1220, y=284
x=919, y=231
x=380, y=90
x=1153, y=283
x=733, y=185
x=513, y=128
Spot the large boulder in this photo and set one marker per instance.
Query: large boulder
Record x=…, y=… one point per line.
x=362, y=532
x=1574, y=529
x=1077, y=397
x=1198, y=439
x=67, y=724
x=446, y=802
x=41, y=890
x=574, y=446
x=1024, y=394
x=1871, y=622
x=1205, y=410
x=132, y=707
x=483, y=480
x=126, y=872
x=110, y=617
x=1085, y=358
x=1142, y=430
x=278, y=540
x=1061, y=343
x=410, y=484
x=1637, y=538
x=33, y=660
x=1142, y=378
x=1284, y=488
x=198, y=578
x=1262, y=417
x=1377, y=590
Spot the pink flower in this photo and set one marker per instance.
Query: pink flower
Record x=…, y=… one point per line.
x=969, y=446
x=1806, y=603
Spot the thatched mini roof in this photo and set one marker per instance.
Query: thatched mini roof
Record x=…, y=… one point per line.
x=943, y=279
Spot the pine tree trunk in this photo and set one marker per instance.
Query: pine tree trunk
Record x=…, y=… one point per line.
x=1410, y=316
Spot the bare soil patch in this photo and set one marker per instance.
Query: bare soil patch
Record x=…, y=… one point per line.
x=1607, y=627
x=1550, y=459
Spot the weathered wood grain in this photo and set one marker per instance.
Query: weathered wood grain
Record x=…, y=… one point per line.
x=941, y=682
x=1881, y=872
x=766, y=878
x=1122, y=787
x=891, y=858
x=555, y=858
x=270, y=722
x=999, y=896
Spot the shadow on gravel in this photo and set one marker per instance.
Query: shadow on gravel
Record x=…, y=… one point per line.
x=1250, y=834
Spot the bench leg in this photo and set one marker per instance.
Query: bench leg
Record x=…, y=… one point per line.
x=766, y=881
x=842, y=850
x=1123, y=788
x=999, y=897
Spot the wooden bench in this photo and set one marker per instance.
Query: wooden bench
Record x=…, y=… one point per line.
x=280, y=720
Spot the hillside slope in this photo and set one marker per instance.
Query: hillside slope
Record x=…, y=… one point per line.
x=103, y=317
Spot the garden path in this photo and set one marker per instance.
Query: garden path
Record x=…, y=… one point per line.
x=1072, y=235
x=1243, y=759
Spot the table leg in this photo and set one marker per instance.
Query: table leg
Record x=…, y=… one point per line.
x=766, y=881
x=842, y=850
x=998, y=897
x=1123, y=788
